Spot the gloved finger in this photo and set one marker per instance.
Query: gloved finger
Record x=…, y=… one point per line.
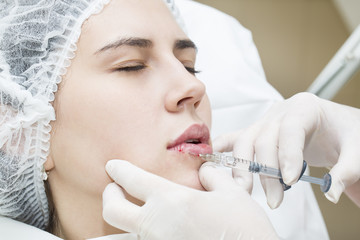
x=292, y=136
x=344, y=174
x=214, y=178
x=267, y=154
x=244, y=149
x=117, y=210
x=137, y=182
x=243, y=179
x=273, y=190
x=225, y=143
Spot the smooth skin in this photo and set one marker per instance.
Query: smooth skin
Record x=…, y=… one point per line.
x=122, y=102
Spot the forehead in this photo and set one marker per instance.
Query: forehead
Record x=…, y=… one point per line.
x=149, y=19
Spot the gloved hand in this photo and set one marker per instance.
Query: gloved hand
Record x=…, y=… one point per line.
x=306, y=127
x=173, y=211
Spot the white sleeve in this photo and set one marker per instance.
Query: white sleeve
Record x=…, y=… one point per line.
x=239, y=95
x=11, y=229
x=123, y=236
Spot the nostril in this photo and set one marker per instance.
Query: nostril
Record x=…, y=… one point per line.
x=184, y=100
x=197, y=104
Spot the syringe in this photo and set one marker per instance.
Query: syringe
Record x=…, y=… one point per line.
x=254, y=167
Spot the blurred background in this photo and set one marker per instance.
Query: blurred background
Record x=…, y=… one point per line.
x=296, y=39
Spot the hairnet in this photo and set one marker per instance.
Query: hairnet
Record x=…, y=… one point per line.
x=37, y=42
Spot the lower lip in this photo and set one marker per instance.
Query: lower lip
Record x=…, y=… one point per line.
x=194, y=149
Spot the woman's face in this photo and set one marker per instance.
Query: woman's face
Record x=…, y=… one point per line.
x=130, y=93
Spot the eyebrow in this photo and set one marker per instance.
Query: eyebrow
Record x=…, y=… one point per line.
x=185, y=43
x=134, y=42
x=144, y=43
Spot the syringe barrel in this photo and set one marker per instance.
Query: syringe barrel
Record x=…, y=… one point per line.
x=237, y=163
x=272, y=172
x=254, y=167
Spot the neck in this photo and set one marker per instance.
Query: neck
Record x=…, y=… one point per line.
x=78, y=215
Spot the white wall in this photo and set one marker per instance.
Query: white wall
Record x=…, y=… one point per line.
x=350, y=12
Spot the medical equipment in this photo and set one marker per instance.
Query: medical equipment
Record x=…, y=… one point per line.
x=340, y=69
x=254, y=167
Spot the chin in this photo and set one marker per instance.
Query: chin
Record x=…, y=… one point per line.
x=183, y=168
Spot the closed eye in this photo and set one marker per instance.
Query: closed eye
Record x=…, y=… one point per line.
x=130, y=68
x=141, y=67
x=192, y=70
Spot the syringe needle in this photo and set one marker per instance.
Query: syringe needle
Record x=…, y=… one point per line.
x=254, y=167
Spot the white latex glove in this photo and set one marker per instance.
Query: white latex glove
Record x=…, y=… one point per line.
x=306, y=127
x=173, y=211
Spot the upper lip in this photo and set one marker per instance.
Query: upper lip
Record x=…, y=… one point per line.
x=198, y=133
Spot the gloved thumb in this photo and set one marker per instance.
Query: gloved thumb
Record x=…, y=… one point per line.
x=343, y=174
x=117, y=210
x=214, y=178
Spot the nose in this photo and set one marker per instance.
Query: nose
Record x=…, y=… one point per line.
x=186, y=91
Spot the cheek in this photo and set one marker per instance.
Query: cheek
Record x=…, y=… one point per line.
x=94, y=126
x=78, y=165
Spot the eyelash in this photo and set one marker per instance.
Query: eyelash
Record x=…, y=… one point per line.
x=192, y=70
x=138, y=68
x=131, y=68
